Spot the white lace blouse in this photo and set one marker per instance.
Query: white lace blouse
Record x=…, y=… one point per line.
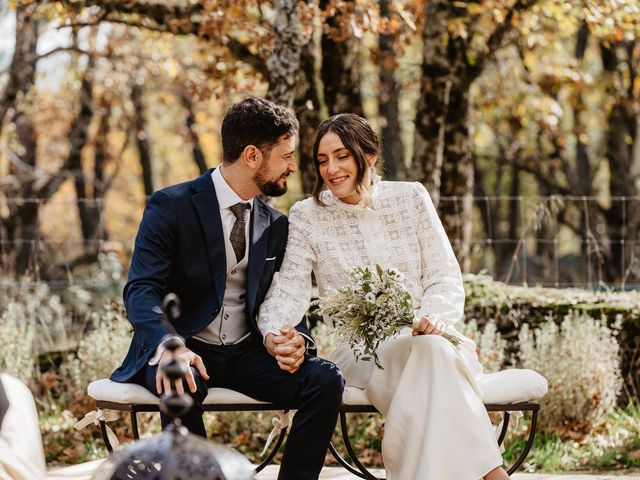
x=398, y=228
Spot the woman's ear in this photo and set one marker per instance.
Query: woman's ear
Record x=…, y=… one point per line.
x=372, y=158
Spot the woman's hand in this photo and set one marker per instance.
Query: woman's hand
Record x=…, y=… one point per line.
x=428, y=326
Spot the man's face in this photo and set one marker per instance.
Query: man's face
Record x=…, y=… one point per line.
x=271, y=177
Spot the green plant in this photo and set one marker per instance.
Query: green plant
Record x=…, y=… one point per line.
x=580, y=359
x=490, y=343
x=100, y=351
x=17, y=334
x=613, y=444
x=325, y=337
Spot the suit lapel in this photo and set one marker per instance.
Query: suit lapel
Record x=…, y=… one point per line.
x=259, y=234
x=205, y=202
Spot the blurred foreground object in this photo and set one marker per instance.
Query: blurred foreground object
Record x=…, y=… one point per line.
x=175, y=454
x=21, y=454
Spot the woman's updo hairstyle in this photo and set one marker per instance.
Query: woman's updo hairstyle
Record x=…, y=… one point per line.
x=357, y=137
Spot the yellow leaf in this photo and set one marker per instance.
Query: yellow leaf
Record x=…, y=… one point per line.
x=475, y=8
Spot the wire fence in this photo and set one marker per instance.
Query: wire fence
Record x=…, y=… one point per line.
x=560, y=241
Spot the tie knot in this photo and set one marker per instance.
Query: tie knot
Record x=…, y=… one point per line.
x=239, y=208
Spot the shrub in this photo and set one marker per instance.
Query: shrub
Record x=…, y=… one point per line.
x=325, y=338
x=490, y=344
x=513, y=306
x=17, y=334
x=100, y=351
x=35, y=304
x=580, y=359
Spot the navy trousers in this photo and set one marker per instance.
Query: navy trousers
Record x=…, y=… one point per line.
x=315, y=390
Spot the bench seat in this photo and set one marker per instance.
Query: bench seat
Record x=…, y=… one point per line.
x=507, y=391
x=507, y=386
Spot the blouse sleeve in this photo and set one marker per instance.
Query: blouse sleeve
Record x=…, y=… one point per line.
x=288, y=297
x=442, y=288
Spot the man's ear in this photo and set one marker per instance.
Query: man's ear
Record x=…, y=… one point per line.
x=252, y=156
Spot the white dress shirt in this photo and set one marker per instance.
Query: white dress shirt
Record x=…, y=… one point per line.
x=226, y=199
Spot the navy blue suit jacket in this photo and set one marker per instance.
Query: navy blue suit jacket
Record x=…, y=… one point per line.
x=180, y=248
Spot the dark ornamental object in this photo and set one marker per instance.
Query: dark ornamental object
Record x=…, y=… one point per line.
x=176, y=454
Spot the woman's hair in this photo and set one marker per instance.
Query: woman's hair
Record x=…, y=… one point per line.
x=357, y=137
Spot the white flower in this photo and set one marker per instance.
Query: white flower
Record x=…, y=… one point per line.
x=370, y=297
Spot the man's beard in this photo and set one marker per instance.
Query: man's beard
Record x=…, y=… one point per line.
x=267, y=185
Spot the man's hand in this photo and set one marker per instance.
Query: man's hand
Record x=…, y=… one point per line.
x=288, y=348
x=186, y=357
x=428, y=327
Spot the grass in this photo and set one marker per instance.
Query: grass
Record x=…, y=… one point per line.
x=614, y=444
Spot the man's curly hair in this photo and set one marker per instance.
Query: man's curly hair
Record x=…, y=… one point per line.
x=257, y=122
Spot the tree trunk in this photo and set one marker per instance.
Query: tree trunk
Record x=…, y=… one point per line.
x=20, y=229
x=514, y=204
x=595, y=247
x=190, y=122
x=92, y=208
x=442, y=126
x=140, y=130
x=98, y=230
x=489, y=218
x=27, y=215
x=583, y=168
x=392, y=148
x=78, y=135
x=442, y=154
x=340, y=64
x=623, y=217
x=284, y=62
x=23, y=65
x=307, y=109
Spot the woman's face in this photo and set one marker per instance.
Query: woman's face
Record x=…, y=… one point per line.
x=338, y=168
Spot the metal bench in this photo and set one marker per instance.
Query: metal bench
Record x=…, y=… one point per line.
x=135, y=399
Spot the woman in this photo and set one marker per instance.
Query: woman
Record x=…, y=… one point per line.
x=436, y=425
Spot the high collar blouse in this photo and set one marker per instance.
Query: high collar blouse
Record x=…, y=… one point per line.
x=397, y=226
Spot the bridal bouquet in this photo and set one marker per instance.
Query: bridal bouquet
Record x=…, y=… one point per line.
x=369, y=310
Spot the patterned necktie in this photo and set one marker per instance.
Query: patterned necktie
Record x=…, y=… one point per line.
x=237, y=237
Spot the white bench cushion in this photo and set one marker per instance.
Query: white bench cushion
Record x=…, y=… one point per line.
x=131, y=393
x=513, y=386
x=507, y=386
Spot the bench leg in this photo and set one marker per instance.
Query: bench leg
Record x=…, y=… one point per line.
x=505, y=426
x=364, y=473
x=532, y=434
x=340, y=459
x=105, y=437
x=273, y=451
x=134, y=425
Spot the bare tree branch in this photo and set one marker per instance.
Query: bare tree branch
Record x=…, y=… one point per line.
x=184, y=18
x=496, y=38
x=161, y=18
x=119, y=21
x=242, y=53
x=63, y=49
x=535, y=171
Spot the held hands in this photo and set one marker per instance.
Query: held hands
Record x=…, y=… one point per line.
x=427, y=326
x=288, y=348
x=187, y=357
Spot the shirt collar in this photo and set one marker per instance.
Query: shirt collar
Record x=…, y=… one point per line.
x=226, y=196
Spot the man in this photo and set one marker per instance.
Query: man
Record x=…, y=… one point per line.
x=216, y=245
